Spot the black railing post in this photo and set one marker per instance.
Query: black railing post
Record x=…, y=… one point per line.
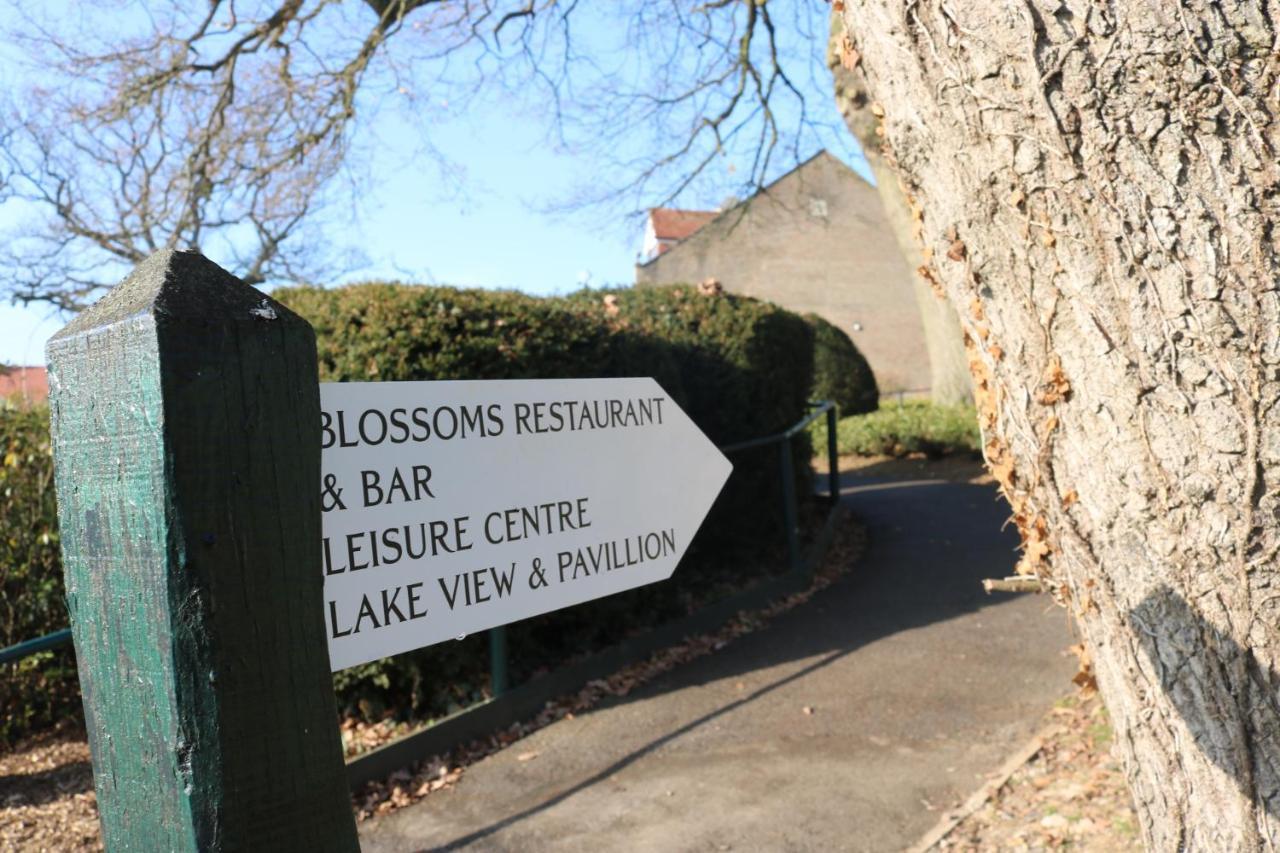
x=789, y=505
x=499, y=680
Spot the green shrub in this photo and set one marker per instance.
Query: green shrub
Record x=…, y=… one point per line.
x=38, y=690
x=840, y=373
x=746, y=369
x=916, y=426
x=745, y=366
x=371, y=332
x=739, y=367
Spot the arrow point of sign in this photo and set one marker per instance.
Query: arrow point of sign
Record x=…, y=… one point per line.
x=700, y=467
x=612, y=481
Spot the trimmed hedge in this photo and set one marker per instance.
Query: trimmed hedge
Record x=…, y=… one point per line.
x=372, y=332
x=914, y=426
x=41, y=689
x=739, y=367
x=840, y=372
x=746, y=366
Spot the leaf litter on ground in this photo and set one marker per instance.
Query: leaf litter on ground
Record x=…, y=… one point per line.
x=1071, y=794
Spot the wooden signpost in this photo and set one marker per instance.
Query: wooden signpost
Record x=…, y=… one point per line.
x=184, y=408
x=208, y=601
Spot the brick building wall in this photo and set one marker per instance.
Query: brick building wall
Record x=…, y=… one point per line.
x=23, y=385
x=814, y=240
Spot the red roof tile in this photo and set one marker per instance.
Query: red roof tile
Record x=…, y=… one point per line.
x=671, y=224
x=28, y=384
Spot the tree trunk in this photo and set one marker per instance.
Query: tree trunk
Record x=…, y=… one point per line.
x=1098, y=191
x=948, y=363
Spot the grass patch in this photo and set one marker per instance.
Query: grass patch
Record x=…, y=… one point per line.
x=913, y=426
x=1124, y=826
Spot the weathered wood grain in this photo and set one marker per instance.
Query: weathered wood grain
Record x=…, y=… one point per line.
x=185, y=411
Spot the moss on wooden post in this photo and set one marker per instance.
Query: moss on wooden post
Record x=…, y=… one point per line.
x=186, y=438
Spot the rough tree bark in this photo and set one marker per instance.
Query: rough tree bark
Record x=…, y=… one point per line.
x=1097, y=190
x=948, y=365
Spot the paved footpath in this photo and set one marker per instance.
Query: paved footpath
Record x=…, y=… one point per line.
x=919, y=684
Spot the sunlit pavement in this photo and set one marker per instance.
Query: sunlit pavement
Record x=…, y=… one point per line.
x=917, y=685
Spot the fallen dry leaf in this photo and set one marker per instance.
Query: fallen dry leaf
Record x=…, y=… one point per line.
x=976, y=311
x=849, y=56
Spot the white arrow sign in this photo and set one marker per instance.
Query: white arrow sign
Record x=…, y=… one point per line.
x=453, y=507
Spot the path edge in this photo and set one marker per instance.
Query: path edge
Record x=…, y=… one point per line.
x=953, y=818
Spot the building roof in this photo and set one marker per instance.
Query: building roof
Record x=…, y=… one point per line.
x=28, y=384
x=672, y=224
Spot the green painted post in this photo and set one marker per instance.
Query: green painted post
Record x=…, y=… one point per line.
x=185, y=414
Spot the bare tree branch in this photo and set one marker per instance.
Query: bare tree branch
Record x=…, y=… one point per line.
x=225, y=127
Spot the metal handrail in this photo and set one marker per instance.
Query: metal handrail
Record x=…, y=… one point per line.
x=26, y=648
x=820, y=407
x=790, y=512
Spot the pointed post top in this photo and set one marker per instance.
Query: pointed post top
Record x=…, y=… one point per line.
x=178, y=284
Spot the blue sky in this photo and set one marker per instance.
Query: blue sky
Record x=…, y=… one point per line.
x=486, y=228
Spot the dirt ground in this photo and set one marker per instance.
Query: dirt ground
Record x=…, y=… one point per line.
x=46, y=794
x=1071, y=795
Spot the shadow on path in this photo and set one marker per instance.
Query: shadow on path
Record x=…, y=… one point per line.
x=912, y=610
x=930, y=545
x=636, y=755
x=46, y=786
